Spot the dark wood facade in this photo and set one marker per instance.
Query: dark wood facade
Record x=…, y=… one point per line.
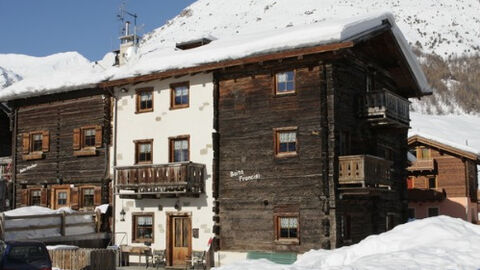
x=64, y=168
x=5, y=135
x=334, y=128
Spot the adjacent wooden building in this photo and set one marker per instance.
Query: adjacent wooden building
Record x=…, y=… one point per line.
x=443, y=180
x=61, y=144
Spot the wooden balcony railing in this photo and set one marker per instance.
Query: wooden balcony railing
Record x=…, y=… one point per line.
x=385, y=108
x=422, y=165
x=185, y=178
x=364, y=170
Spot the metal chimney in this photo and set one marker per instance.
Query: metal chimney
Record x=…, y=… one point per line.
x=127, y=26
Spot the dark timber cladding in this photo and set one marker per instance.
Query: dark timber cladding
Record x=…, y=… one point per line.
x=260, y=191
x=66, y=159
x=5, y=135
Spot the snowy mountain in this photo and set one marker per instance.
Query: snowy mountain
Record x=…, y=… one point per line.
x=445, y=27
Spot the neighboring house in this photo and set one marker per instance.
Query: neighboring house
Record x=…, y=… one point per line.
x=5, y=157
x=61, y=149
x=443, y=179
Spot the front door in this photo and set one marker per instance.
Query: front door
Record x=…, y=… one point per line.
x=180, y=239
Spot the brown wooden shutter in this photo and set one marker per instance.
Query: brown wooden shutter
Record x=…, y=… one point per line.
x=25, y=197
x=44, y=197
x=74, y=198
x=97, y=198
x=76, y=139
x=45, y=141
x=98, y=136
x=26, y=143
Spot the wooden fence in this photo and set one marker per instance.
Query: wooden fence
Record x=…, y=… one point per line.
x=83, y=259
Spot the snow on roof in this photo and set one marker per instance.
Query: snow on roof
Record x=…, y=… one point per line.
x=148, y=60
x=432, y=243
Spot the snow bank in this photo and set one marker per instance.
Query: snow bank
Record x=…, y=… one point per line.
x=61, y=247
x=432, y=243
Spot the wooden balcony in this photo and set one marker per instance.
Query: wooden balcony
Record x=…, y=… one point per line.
x=160, y=180
x=426, y=165
x=364, y=171
x=383, y=108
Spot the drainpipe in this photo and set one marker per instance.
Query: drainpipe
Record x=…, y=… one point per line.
x=114, y=180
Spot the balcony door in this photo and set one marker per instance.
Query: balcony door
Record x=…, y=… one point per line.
x=179, y=238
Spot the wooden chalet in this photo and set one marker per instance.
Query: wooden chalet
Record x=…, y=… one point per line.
x=60, y=153
x=442, y=180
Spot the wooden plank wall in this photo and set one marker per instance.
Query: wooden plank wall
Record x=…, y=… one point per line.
x=80, y=259
x=248, y=111
x=5, y=135
x=60, y=117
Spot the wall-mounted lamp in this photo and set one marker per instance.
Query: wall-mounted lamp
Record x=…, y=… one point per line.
x=122, y=215
x=178, y=206
x=123, y=90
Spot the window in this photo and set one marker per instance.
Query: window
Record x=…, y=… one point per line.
x=432, y=212
x=35, y=196
x=411, y=213
x=86, y=139
x=88, y=195
x=144, y=100
x=423, y=153
x=62, y=197
x=37, y=141
x=144, y=151
x=432, y=182
x=285, y=82
x=285, y=142
x=180, y=95
x=143, y=227
x=287, y=227
x=179, y=149
x=35, y=144
x=89, y=137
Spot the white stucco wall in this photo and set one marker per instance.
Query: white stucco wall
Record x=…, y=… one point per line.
x=195, y=121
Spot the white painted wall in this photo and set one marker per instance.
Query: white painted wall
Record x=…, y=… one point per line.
x=159, y=125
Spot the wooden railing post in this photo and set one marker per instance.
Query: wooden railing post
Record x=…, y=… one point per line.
x=62, y=223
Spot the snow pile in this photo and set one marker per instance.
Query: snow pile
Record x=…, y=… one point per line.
x=62, y=247
x=40, y=216
x=432, y=243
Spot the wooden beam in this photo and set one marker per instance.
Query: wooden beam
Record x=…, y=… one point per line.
x=230, y=63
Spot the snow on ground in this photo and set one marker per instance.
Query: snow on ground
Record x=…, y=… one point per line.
x=433, y=243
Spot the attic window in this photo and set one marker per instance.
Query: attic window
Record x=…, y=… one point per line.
x=187, y=45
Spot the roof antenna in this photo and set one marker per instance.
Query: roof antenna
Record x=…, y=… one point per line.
x=122, y=12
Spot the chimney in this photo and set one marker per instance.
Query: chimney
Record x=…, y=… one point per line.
x=128, y=45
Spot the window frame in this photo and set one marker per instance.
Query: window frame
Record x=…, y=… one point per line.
x=138, y=100
x=67, y=199
x=30, y=196
x=32, y=142
x=420, y=155
x=428, y=178
x=173, y=86
x=137, y=144
x=171, y=142
x=275, y=83
x=277, y=227
x=134, y=227
x=82, y=198
x=276, y=142
x=27, y=145
x=83, y=143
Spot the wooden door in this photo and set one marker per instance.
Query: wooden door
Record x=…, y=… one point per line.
x=180, y=239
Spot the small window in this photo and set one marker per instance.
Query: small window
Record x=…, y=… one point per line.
x=62, y=198
x=286, y=142
x=432, y=182
x=143, y=228
x=88, y=195
x=89, y=137
x=180, y=95
x=145, y=100
x=179, y=149
x=432, y=212
x=35, y=197
x=37, y=141
x=411, y=213
x=287, y=227
x=285, y=82
x=144, y=152
x=423, y=153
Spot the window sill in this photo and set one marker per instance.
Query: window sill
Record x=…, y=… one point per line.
x=286, y=155
x=292, y=93
x=142, y=241
x=287, y=242
x=33, y=156
x=144, y=111
x=85, y=152
x=177, y=107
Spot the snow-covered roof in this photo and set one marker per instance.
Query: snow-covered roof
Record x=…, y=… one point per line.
x=150, y=60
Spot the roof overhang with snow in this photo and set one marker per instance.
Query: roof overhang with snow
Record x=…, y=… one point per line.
x=443, y=145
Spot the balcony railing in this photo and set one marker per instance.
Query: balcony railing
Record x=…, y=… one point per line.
x=422, y=165
x=364, y=170
x=385, y=108
x=182, y=178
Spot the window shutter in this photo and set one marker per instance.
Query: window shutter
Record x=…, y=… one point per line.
x=43, y=197
x=76, y=139
x=97, y=197
x=74, y=198
x=25, y=197
x=45, y=141
x=98, y=136
x=26, y=143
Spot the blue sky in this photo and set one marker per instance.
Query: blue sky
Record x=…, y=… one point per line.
x=44, y=27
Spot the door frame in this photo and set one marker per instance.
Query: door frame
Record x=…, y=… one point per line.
x=169, y=236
